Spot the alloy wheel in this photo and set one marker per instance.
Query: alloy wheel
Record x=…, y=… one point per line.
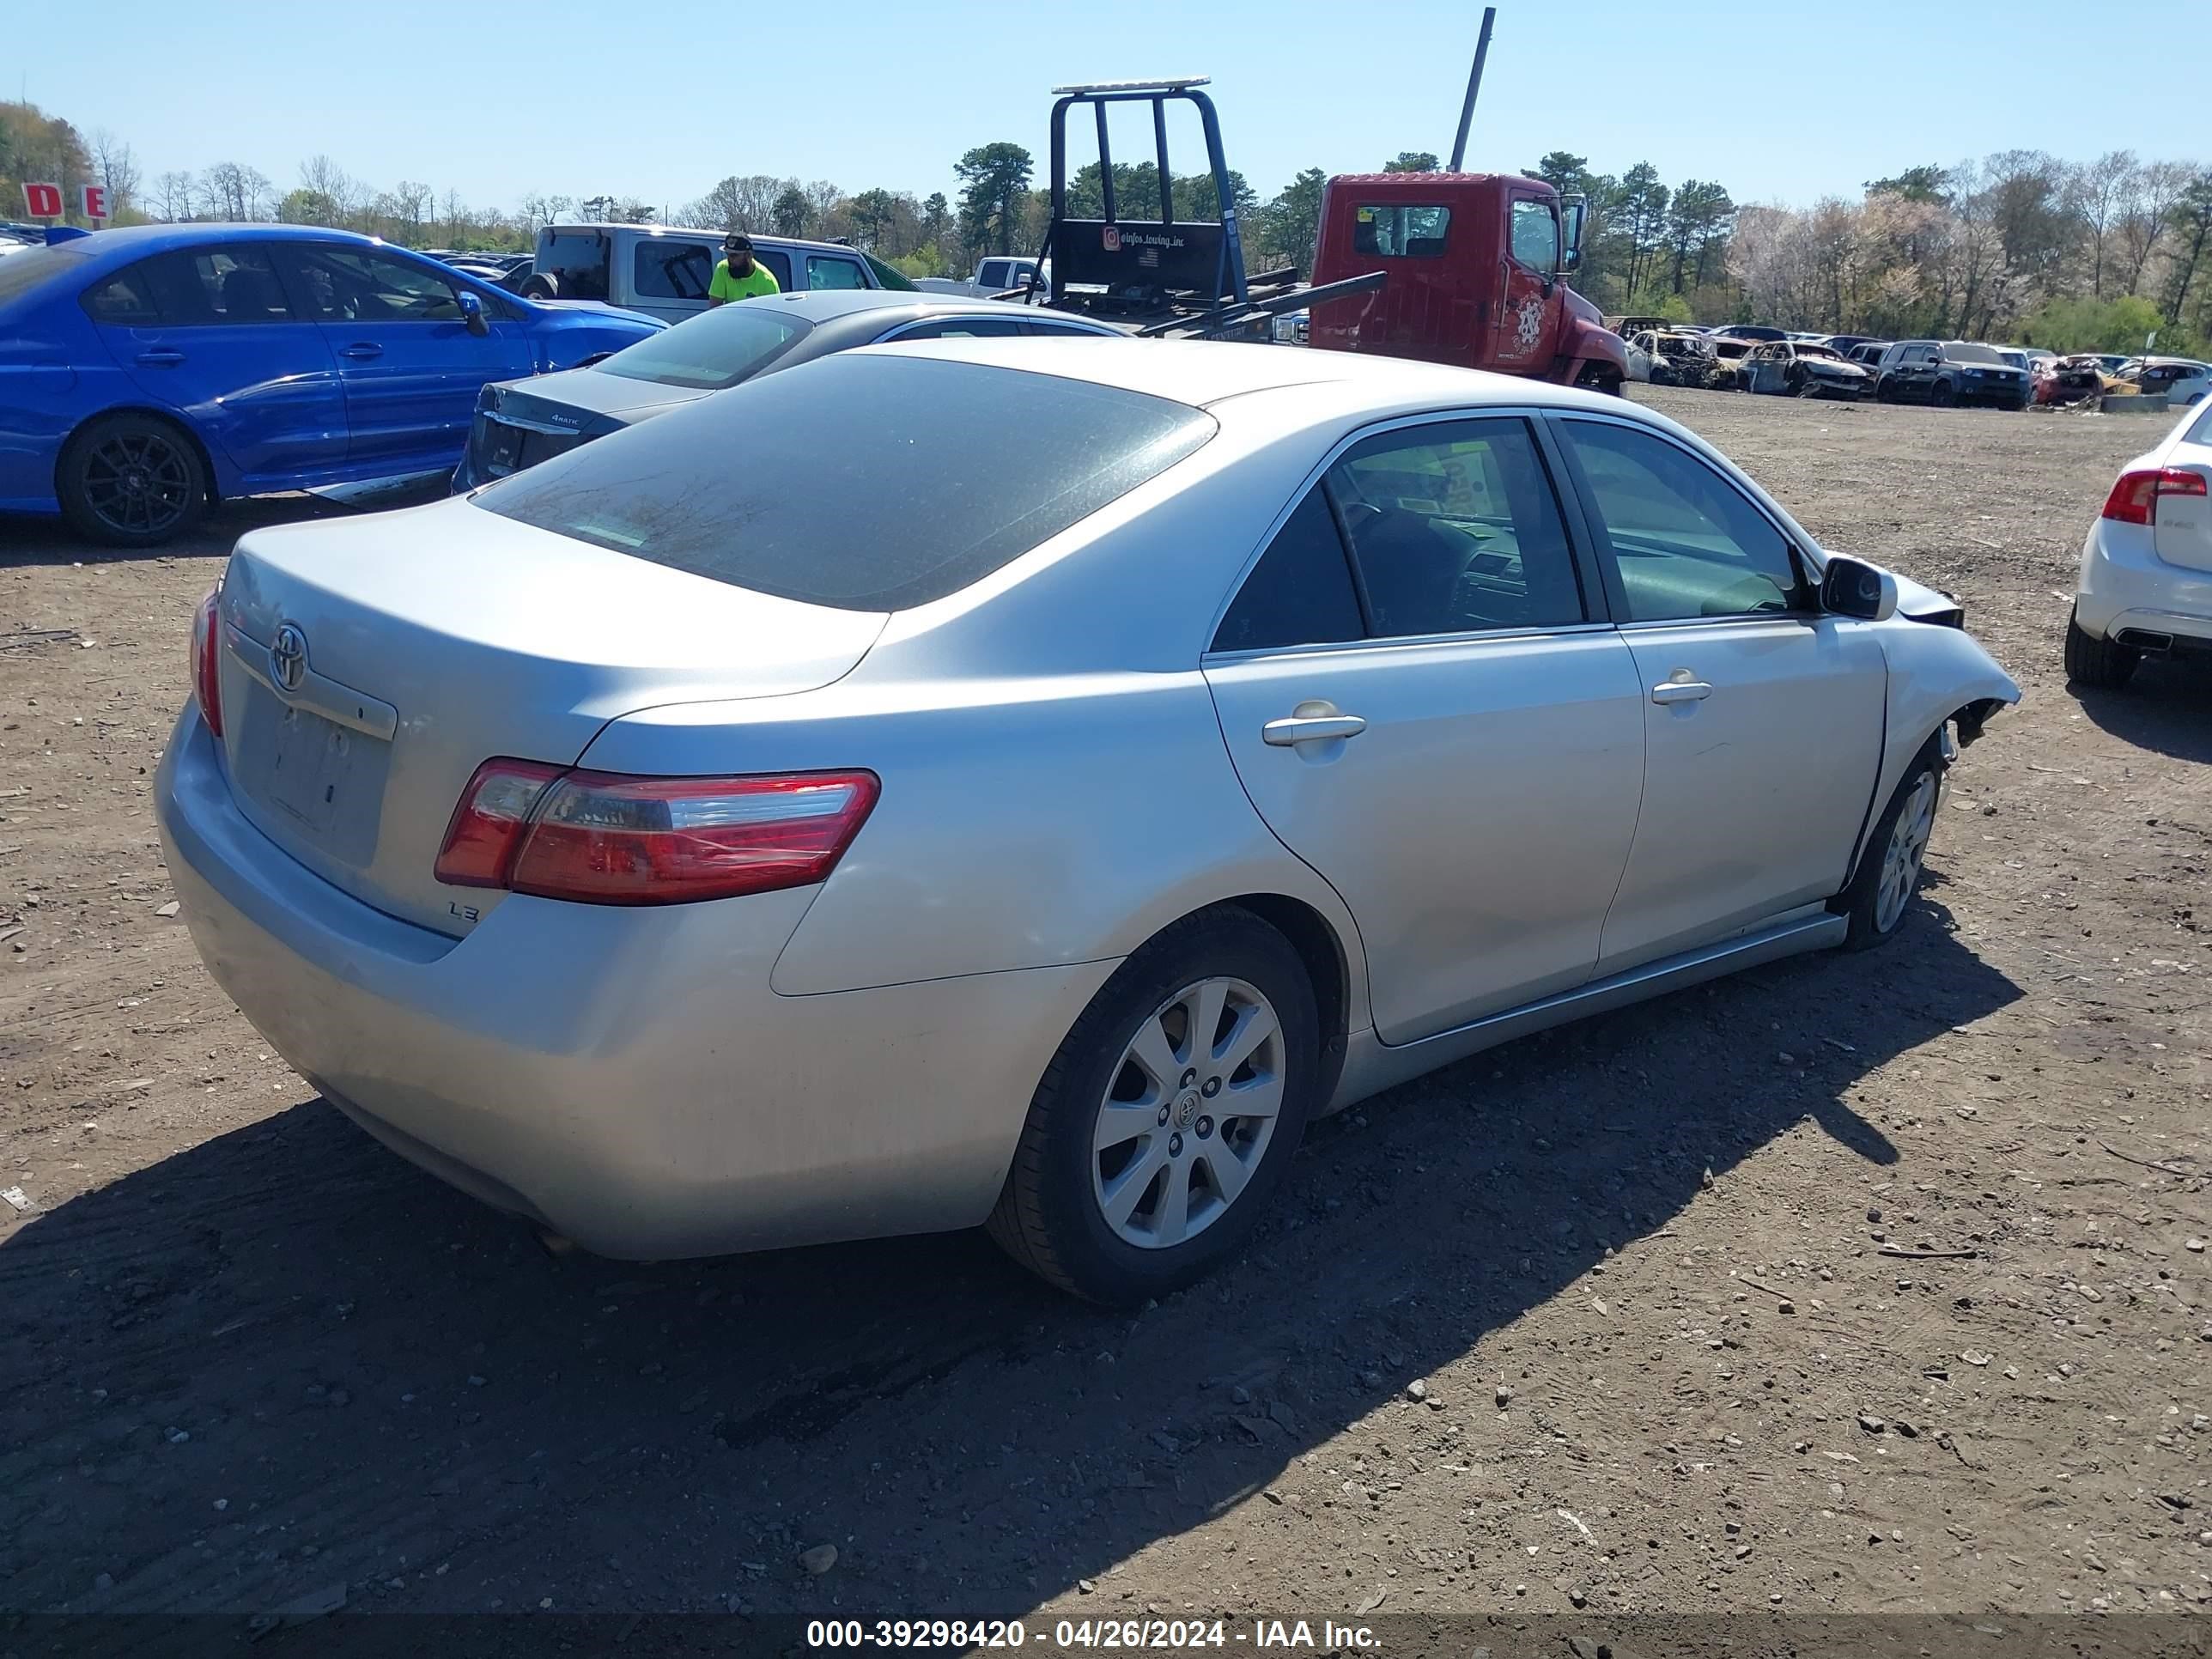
x=1188, y=1113
x=1901, y=859
x=138, y=482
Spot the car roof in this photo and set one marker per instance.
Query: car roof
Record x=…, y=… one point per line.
x=1202, y=374
x=138, y=240
x=702, y=232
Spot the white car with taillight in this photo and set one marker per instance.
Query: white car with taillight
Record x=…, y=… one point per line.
x=2146, y=586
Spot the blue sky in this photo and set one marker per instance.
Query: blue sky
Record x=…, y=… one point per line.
x=658, y=100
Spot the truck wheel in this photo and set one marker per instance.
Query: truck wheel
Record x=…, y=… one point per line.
x=1942, y=394
x=542, y=285
x=1600, y=377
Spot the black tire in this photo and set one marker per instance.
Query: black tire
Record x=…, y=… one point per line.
x=1049, y=1217
x=541, y=285
x=2099, y=664
x=1861, y=903
x=131, y=481
x=1942, y=394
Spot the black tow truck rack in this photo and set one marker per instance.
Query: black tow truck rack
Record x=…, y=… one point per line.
x=1164, y=277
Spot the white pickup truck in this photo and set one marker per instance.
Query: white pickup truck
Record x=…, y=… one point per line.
x=663, y=271
x=995, y=275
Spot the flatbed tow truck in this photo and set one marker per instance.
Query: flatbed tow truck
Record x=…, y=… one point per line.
x=1461, y=268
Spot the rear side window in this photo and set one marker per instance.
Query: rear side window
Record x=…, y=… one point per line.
x=1455, y=530
x=777, y=265
x=672, y=270
x=1412, y=233
x=867, y=483
x=1300, y=592
x=238, y=285
x=126, y=299
x=577, y=261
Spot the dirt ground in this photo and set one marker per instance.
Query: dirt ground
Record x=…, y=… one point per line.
x=1870, y=1284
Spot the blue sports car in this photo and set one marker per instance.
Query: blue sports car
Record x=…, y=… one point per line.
x=147, y=373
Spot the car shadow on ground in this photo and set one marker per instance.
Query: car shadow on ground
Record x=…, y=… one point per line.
x=283, y=1359
x=2166, y=708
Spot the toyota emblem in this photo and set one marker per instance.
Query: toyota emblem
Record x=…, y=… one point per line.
x=288, y=657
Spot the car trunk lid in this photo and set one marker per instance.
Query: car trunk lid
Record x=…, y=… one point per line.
x=2183, y=529
x=371, y=665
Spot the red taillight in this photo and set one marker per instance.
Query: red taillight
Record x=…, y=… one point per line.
x=207, y=658
x=2134, y=497
x=487, y=824
x=602, y=838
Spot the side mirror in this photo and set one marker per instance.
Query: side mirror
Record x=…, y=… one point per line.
x=1571, y=261
x=1848, y=588
x=472, y=315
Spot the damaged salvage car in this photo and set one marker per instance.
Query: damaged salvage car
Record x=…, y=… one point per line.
x=1023, y=782
x=1683, y=357
x=1804, y=368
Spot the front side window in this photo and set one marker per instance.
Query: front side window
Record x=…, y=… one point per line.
x=1687, y=543
x=824, y=271
x=1410, y=232
x=1536, y=236
x=1454, y=529
x=352, y=285
x=947, y=472
x=672, y=270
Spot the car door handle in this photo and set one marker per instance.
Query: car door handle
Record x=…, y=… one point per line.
x=1680, y=691
x=1315, y=727
x=362, y=350
x=161, y=357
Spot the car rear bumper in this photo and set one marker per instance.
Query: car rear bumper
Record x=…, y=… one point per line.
x=626, y=1077
x=2126, y=587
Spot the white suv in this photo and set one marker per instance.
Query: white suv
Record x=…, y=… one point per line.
x=2147, y=567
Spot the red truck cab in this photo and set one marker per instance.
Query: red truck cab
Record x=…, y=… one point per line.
x=1477, y=264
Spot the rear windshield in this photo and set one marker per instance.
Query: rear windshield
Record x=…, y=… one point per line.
x=865, y=482
x=21, y=272
x=714, y=349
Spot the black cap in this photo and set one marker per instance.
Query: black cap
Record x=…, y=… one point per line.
x=737, y=239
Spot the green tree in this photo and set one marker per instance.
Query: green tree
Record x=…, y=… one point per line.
x=874, y=212
x=792, y=213
x=1285, y=231
x=1413, y=160
x=1920, y=184
x=1697, y=220
x=993, y=178
x=936, y=218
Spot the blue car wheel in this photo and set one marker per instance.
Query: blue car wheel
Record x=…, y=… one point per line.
x=133, y=481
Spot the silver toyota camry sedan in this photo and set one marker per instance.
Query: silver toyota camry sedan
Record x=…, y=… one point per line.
x=1025, y=782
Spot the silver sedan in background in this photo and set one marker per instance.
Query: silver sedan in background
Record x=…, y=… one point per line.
x=1024, y=781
